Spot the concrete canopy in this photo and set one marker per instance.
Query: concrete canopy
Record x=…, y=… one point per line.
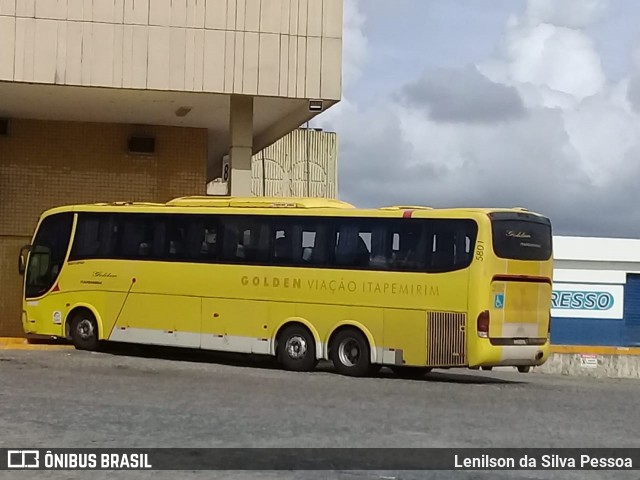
x=273, y=117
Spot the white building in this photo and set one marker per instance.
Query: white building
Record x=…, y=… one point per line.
x=596, y=291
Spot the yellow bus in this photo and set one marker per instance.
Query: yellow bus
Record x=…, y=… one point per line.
x=412, y=288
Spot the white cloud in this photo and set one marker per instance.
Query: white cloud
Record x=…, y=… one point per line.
x=605, y=137
x=355, y=54
x=537, y=126
x=567, y=13
x=464, y=96
x=556, y=58
x=633, y=92
x=355, y=45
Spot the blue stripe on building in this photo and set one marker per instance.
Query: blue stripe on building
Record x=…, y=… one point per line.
x=632, y=310
x=623, y=332
x=587, y=331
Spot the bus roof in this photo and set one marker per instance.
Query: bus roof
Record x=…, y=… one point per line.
x=258, y=202
x=289, y=205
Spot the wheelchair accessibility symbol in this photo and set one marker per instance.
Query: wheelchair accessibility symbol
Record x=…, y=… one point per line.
x=498, y=301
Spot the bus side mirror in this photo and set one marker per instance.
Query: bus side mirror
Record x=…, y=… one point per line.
x=22, y=259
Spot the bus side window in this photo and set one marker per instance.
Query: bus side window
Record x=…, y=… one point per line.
x=462, y=248
x=245, y=239
x=395, y=248
x=295, y=242
x=409, y=245
x=209, y=246
x=451, y=245
x=87, y=238
x=132, y=239
x=282, y=247
x=364, y=248
x=230, y=241
x=142, y=237
x=156, y=230
x=443, y=251
x=308, y=246
x=95, y=236
x=251, y=244
x=380, y=244
x=352, y=245
x=175, y=236
x=185, y=235
x=323, y=247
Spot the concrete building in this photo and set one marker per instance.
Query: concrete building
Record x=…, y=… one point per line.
x=596, y=298
x=140, y=100
x=303, y=163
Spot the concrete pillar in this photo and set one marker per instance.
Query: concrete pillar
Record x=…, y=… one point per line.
x=241, y=148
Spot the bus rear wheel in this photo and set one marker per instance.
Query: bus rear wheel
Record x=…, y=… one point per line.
x=524, y=368
x=297, y=349
x=350, y=354
x=84, y=331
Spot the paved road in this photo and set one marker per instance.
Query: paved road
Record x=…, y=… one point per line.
x=134, y=397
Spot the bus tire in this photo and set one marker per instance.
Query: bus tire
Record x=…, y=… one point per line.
x=84, y=331
x=524, y=368
x=349, y=351
x=297, y=349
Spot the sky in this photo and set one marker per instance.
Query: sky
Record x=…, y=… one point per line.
x=493, y=103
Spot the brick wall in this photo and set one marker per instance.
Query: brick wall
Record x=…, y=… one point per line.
x=45, y=164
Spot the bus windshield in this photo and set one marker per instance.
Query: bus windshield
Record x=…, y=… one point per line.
x=521, y=238
x=48, y=253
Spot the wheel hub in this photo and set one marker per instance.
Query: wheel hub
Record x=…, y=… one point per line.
x=296, y=347
x=349, y=352
x=85, y=329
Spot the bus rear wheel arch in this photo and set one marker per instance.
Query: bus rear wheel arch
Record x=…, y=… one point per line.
x=83, y=329
x=296, y=348
x=350, y=352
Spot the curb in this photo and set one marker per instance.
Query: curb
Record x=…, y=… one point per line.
x=595, y=350
x=14, y=343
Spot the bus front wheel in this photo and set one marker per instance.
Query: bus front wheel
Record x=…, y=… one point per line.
x=84, y=331
x=297, y=349
x=349, y=352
